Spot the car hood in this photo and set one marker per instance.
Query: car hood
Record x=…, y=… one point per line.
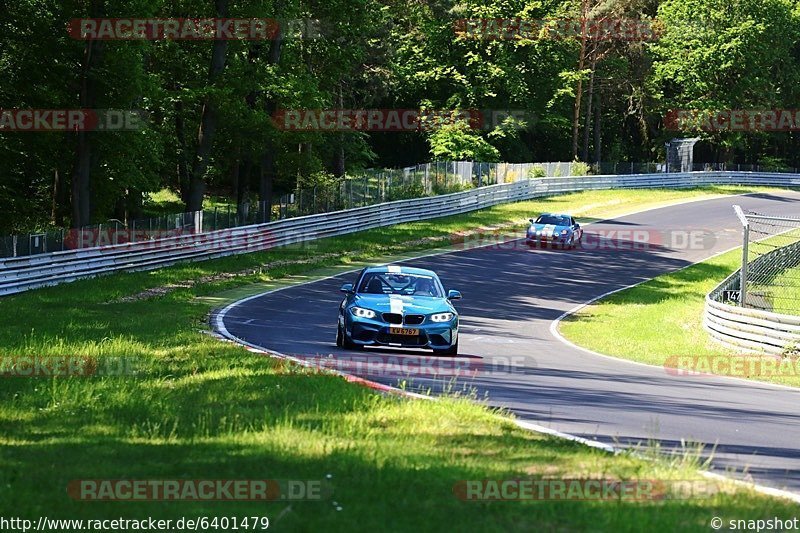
x=407, y=305
x=548, y=229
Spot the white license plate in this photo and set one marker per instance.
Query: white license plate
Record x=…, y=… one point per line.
x=412, y=332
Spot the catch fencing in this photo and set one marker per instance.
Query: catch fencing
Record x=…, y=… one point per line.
x=371, y=188
x=758, y=307
x=195, y=243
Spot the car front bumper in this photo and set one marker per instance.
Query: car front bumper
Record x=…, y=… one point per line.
x=372, y=332
x=547, y=240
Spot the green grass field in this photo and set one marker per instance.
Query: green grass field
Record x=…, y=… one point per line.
x=668, y=313
x=785, y=289
x=199, y=408
x=167, y=202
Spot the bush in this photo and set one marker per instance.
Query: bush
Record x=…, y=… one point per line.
x=320, y=178
x=415, y=189
x=579, y=168
x=537, y=171
x=775, y=164
x=451, y=188
x=457, y=142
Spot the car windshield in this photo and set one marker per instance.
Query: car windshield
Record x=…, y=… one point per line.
x=403, y=284
x=553, y=220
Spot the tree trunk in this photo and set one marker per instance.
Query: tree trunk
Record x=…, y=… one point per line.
x=182, y=151
x=81, y=208
x=245, y=173
x=135, y=203
x=576, y=118
x=208, y=120
x=121, y=207
x=588, y=120
x=81, y=177
x=58, y=213
x=242, y=173
x=266, y=181
x=267, y=172
x=235, y=175
x=339, y=168
x=598, y=144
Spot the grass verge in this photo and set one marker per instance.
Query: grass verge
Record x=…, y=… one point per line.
x=782, y=293
x=668, y=313
x=198, y=408
x=788, y=283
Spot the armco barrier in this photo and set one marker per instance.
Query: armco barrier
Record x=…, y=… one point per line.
x=24, y=273
x=751, y=329
x=748, y=328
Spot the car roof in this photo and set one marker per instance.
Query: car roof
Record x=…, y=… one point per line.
x=556, y=215
x=401, y=270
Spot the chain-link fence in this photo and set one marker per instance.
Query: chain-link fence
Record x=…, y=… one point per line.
x=428, y=179
x=385, y=185
x=372, y=187
x=770, y=275
x=134, y=230
x=443, y=177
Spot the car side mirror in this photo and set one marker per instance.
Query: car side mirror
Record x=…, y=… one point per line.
x=347, y=288
x=453, y=295
x=531, y=221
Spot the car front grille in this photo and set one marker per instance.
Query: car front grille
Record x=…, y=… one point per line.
x=397, y=318
x=393, y=318
x=414, y=319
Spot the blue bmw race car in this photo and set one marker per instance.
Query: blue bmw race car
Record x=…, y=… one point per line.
x=398, y=306
x=554, y=230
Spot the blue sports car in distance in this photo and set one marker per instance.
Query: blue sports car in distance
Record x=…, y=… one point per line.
x=554, y=230
x=398, y=306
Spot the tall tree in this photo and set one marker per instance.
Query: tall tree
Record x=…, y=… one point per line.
x=208, y=119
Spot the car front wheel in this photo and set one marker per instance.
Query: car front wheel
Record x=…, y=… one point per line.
x=339, y=337
x=343, y=341
x=453, y=350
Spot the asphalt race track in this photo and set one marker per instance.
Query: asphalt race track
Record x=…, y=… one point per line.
x=508, y=355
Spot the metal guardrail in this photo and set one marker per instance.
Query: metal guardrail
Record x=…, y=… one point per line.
x=746, y=327
x=751, y=329
x=24, y=273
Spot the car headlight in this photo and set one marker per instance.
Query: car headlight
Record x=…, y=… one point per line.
x=564, y=232
x=442, y=317
x=360, y=312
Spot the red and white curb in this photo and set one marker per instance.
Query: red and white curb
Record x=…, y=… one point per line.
x=221, y=332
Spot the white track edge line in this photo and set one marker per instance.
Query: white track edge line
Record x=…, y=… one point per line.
x=530, y=426
x=557, y=334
